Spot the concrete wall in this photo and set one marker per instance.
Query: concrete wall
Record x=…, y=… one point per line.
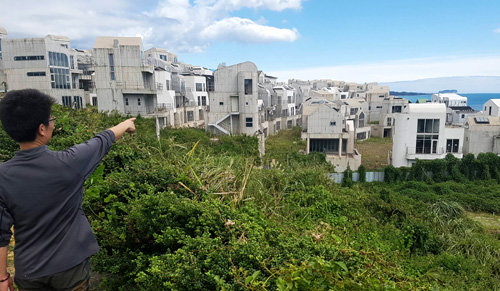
x=482, y=139
x=405, y=134
x=490, y=105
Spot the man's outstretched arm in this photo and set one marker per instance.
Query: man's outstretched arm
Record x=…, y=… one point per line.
x=7, y=284
x=122, y=127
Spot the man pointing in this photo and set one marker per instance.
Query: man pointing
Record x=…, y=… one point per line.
x=41, y=194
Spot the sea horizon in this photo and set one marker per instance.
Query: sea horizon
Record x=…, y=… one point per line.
x=474, y=100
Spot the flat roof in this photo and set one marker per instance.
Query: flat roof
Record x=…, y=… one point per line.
x=108, y=41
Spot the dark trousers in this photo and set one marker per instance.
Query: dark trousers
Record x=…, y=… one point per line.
x=74, y=279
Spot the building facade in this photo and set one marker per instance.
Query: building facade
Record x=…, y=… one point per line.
x=420, y=133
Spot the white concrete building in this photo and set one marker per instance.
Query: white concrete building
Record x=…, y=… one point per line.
x=457, y=110
x=449, y=99
x=391, y=106
x=48, y=64
x=492, y=107
x=124, y=80
x=375, y=96
x=326, y=130
x=420, y=133
x=235, y=101
x=482, y=135
x=161, y=54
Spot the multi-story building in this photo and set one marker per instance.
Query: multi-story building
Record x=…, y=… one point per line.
x=457, y=111
x=375, y=96
x=155, y=85
x=392, y=105
x=124, y=81
x=48, y=64
x=420, y=133
x=327, y=130
x=234, y=105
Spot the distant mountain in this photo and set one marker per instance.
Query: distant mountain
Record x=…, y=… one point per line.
x=472, y=84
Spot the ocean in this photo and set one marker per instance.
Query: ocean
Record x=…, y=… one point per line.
x=474, y=100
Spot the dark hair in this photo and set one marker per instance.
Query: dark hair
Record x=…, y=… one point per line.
x=22, y=112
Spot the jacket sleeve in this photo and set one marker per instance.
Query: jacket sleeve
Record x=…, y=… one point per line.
x=85, y=157
x=6, y=223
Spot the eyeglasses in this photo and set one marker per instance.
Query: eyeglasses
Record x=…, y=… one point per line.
x=52, y=119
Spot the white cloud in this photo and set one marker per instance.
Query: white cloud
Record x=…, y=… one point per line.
x=400, y=70
x=496, y=30
x=245, y=30
x=173, y=24
x=276, y=5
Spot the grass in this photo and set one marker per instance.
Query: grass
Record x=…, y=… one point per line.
x=491, y=222
x=374, y=152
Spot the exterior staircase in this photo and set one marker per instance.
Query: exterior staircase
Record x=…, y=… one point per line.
x=223, y=125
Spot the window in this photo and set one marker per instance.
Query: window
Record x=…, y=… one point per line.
x=66, y=100
x=29, y=58
x=190, y=116
x=221, y=103
x=199, y=100
x=289, y=99
x=167, y=84
x=35, y=74
x=94, y=101
x=379, y=107
x=277, y=125
x=333, y=123
x=249, y=122
x=138, y=101
x=427, y=140
x=248, y=86
x=361, y=135
x=361, y=120
x=289, y=124
x=452, y=145
x=112, y=67
x=396, y=109
x=126, y=101
x=78, y=101
x=324, y=145
x=246, y=103
x=203, y=100
x=58, y=60
x=428, y=126
x=199, y=87
x=164, y=57
x=354, y=111
x=389, y=121
x=72, y=61
x=59, y=78
x=463, y=115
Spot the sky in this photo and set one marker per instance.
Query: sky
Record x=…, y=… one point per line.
x=356, y=40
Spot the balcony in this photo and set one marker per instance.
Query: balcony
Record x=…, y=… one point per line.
x=425, y=153
x=164, y=106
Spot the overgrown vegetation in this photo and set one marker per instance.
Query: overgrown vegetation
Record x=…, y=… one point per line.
x=192, y=213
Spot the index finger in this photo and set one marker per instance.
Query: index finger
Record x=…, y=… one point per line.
x=132, y=119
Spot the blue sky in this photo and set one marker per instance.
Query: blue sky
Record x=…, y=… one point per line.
x=347, y=40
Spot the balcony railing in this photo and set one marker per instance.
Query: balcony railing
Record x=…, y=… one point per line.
x=411, y=151
x=135, y=85
x=164, y=106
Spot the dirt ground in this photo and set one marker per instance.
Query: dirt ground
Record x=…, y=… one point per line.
x=374, y=152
